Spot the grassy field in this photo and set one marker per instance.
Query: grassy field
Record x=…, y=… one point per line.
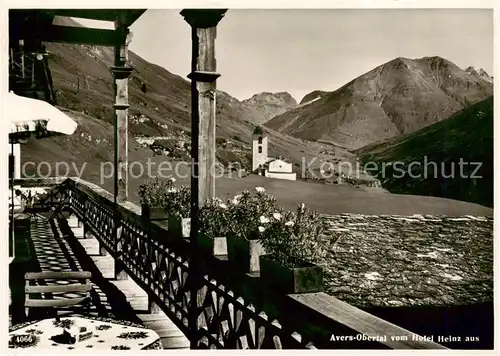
x=327, y=199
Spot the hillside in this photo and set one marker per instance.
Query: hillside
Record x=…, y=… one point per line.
x=84, y=84
x=268, y=105
x=466, y=136
x=394, y=99
x=314, y=95
x=159, y=116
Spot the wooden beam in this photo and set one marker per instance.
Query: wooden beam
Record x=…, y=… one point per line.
x=203, y=85
x=121, y=72
x=102, y=14
x=363, y=322
x=78, y=35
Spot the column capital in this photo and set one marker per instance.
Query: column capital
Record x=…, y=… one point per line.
x=120, y=72
x=203, y=18
x=203, y=76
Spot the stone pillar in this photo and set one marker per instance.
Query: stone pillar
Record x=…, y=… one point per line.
x=121, y=72
x=203, y=85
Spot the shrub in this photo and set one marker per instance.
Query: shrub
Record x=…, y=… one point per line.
x=176, y=202
x=214, y=218
x=286, y=236
x=246, y=212
x=154, y=192
x=293, y=236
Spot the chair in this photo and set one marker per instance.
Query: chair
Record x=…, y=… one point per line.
x=46, y=292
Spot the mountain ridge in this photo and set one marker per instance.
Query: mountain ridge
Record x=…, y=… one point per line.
x=266, y=105
x=393, y=99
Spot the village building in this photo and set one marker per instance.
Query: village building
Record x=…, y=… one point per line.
x=267, y=166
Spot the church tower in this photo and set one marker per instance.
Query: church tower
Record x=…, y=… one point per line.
x=259, y=148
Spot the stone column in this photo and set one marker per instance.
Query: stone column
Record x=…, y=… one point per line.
x=203, y=85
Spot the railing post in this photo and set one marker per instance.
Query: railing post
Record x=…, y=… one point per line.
x=120, y=273
x=86, y=231
x=203, y=85
x=21, y=46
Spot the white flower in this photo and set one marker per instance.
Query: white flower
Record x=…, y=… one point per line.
x=173, y=180
x=262, y=229
x=263, y=220
x=260, y=190
x=223, y=206
x=172, y=190
x=277, y=216
x=238, y=197
x=289, y=223
x=302, y=206
x=235, y=201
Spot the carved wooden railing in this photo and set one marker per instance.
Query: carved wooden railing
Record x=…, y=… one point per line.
x=234, y=310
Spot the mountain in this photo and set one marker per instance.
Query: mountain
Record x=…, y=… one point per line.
x=465, y=137
x=481, y=73
x=268, y=105
x=394, y=99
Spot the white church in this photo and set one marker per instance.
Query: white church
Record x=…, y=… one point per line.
x=267, y=166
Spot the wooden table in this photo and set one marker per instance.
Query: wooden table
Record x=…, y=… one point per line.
x=95, y=333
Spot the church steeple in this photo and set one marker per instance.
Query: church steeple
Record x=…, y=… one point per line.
x=259, y=148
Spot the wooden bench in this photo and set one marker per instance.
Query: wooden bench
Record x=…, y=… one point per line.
x=34, y=287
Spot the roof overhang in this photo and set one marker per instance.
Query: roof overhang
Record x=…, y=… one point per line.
x=36, y=26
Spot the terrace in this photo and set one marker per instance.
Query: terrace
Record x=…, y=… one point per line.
x=141, y=271
x=233, y=310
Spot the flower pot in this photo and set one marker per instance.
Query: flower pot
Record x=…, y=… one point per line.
x=153, y=213
x=179, y=227
x=305, y=277
x=244, y=253
x=216, y=246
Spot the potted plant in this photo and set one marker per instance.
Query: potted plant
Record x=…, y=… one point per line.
x=153, y=199
x=292, y=241
x=214, y=225
x=247, y=213
x=179, y=211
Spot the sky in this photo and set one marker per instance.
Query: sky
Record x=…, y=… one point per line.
x=299, y=51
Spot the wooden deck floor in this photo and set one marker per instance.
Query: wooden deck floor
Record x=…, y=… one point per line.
x=61, y=246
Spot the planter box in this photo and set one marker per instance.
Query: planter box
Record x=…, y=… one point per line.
x=305, y=278
x=244, y=253
x=179, y=228
x=153, y=213
x=216, y=246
